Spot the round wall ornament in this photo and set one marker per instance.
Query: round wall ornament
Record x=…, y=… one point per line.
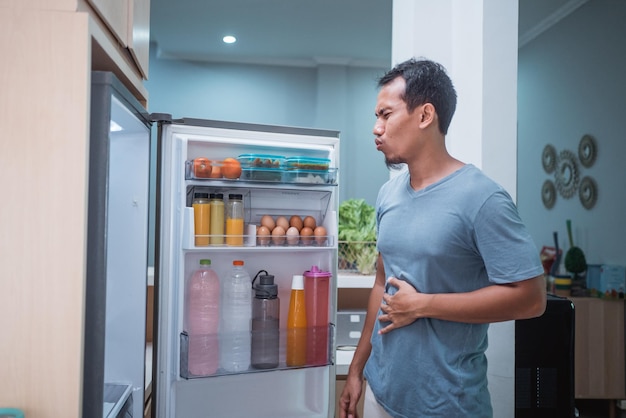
x=588, y=192
x=566, y=174
x=548, y=158
x=548, y=194
x=587, y=150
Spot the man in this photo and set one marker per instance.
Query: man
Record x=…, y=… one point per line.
x=456, y=257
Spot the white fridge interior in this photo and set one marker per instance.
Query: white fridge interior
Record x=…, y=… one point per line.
x=283, y=391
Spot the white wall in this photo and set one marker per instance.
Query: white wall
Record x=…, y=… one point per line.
x=572, y=82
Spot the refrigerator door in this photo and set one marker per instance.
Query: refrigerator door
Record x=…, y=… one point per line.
x=282, y=391
x=117, y=249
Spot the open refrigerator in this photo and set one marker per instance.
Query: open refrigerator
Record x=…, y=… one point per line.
x=282, y=391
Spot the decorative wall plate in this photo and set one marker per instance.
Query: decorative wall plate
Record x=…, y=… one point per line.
x=548, y=194
x=587, y=150
x=548, y=158
x=588, y=192
x=566, y=174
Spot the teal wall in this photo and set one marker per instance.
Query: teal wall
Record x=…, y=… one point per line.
x=572, y=82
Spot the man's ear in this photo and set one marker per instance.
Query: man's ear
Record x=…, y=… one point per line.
x=427, y=115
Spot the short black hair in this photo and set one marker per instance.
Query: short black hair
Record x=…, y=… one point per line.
x=426, y=82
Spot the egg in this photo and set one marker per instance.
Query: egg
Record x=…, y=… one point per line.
x=282, y=221
x=306, y=235
x=268, y=222
x=310, y=222
x=293, y=235
x=296, y=222
x=278, y=235
x=320, y=235
x=263, y=235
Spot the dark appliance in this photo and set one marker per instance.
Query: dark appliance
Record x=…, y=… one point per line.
x=544, y=362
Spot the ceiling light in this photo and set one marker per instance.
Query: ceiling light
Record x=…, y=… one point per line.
x=229, y=39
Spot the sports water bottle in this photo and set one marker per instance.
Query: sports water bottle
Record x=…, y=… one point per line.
x=265, y=322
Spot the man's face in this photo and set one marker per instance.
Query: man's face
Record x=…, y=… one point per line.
x=395, y=128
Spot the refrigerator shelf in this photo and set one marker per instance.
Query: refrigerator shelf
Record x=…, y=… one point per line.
x=281, y=355
x=265, y=175
x=282, y=242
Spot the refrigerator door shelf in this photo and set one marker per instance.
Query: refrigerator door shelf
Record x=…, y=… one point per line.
x=259, y=202
x=252, y=241
x=282, y=352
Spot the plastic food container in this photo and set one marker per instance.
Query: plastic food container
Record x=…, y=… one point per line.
x=261, y=161
x=307, y=163
x=261, y=167
x=311, y=176
x=262, y=174
x=198, y=169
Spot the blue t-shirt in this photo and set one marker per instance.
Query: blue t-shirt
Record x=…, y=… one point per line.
x=459, y=234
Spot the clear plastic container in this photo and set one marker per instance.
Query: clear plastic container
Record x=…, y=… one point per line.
x=261, y=161
x=310, y=176
x=307, y=163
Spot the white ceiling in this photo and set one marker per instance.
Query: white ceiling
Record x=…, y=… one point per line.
x=301, y=32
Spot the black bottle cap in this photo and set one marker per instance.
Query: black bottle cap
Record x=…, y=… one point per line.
x=266, y=289
x=235, y=196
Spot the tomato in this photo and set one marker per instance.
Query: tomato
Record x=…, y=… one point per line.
x=231, y=168
x=202, y=167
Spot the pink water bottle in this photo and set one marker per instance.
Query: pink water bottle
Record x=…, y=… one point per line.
x=201, y=320
x=317, y=293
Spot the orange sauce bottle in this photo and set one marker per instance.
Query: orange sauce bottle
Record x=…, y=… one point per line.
x=296, y=324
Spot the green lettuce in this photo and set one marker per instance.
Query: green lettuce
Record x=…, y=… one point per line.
x=357, y=227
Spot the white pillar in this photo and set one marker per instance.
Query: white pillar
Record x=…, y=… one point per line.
x=477, y=43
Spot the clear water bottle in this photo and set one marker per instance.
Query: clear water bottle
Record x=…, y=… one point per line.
x=201, y=320
x=265, y=322
x=235, y=339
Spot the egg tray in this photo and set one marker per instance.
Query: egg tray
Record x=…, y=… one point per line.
x=268, y=241
x=284, y=241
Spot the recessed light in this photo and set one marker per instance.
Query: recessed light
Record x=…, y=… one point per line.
x=229, y=39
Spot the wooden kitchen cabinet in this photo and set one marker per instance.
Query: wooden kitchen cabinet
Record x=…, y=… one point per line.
x=599, y=349
x=49, y=48
x=129, y=22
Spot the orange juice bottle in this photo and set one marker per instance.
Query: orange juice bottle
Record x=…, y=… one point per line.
x=234, y=220
x=296, y=324
x=201, y=218
x=217, y=219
